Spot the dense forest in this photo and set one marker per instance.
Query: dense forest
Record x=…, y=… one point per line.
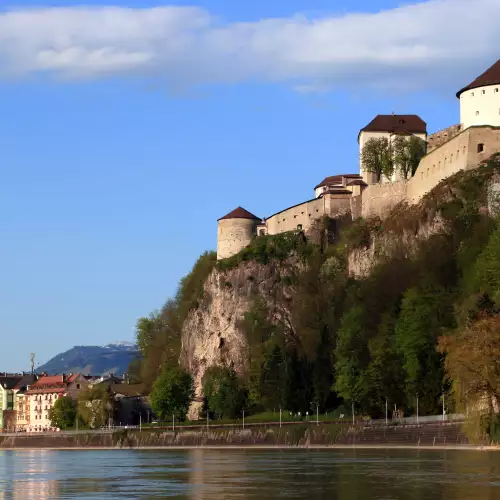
x=422, y=323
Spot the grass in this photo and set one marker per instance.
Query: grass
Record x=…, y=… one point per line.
x=258, y=418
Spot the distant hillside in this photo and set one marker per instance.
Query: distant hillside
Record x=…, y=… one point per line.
x=94, y=360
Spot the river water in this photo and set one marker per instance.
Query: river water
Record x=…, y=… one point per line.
x=250, y=474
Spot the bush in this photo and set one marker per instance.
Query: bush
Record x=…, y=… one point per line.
x=172, y=393
x=63, y=414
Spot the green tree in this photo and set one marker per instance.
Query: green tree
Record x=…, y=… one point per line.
x=63, y=414
x=172, y=393
x=408, y=151
x=96, y=406
x=223, y=391
x=426, y=310
x=377, y=157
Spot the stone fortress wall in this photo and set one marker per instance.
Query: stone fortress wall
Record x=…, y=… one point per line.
x=458, y=147
x=301, y=217
x=439, y=138
x=233, y=235
x=464, y=151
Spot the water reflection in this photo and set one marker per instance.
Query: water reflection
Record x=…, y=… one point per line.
x=250, y=474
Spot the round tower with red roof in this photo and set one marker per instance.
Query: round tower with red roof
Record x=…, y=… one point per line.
x=480, y=100
x=235, y=232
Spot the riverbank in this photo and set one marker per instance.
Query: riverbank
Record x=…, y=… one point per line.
x=435, y=436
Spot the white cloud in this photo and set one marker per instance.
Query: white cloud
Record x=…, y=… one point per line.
x=418, y=46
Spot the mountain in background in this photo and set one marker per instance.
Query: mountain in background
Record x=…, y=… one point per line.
x=93, y=360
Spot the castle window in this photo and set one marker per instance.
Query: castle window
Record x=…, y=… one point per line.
x=317, y=210
x=427, y=172
x=477, y=113
x=294, y=216
x=472, y=94
x=299, y=227
x=262, y=232
x=283, y=219
x=484, y=91
x=496, y=90
x=480, y=147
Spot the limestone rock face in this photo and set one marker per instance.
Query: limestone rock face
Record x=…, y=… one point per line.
x=211, y=334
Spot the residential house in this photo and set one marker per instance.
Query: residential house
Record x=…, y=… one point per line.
x=45, y=392
x=132, y=404
x=22, y=402
x=7, y=384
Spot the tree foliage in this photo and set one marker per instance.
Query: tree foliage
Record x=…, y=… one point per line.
x=408, y=151
x=172, y=393
x=224, y=392
x=96, y=406
x=472, y=361
x=377, y=157
x=63, y=414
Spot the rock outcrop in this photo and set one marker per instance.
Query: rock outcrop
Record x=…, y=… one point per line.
x=211, y=334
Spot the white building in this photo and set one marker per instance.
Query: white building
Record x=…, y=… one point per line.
x=390, y=127
x=480, y=100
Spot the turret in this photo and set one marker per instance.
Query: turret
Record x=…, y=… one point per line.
x=235, y=231
x=480, y=100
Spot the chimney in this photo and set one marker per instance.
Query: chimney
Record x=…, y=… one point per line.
x=393, y=113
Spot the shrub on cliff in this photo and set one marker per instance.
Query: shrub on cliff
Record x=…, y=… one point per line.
x=63, y=414
x=172, y=393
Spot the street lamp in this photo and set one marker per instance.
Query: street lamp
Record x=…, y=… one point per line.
x=417, y=408
x=317, y=411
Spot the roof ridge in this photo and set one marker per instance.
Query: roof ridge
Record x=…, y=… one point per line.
x=491, y=76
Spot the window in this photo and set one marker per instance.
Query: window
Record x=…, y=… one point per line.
x=477, y=113
x=480, y=147
x=78, y=385
x=496, y=90
x=484, y=92
x=299, y=227
x=472, y=94
x=262, y=232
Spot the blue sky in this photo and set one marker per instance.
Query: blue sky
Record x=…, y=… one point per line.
x=125, y=132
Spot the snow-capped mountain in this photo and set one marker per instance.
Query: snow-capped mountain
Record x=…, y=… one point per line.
x=93, y=360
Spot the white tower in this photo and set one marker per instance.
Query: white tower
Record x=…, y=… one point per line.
x=480, y=100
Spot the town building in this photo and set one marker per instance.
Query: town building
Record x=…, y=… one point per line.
x=461, y=146
x=7, y=383
x=22, y=402
x=43, y=394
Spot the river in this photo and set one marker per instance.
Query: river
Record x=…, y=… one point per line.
x=199, y=474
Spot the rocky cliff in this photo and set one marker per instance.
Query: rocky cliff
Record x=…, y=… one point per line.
x=443, y=222
x=212, y=332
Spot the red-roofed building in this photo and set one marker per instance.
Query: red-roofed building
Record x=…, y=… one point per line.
x=45, y=392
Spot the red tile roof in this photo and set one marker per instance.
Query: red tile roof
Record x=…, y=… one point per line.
x=357, y=182
x=490, y=77
x=336, y=180
x=240, y=213
x=411, y=124
x=52, y=383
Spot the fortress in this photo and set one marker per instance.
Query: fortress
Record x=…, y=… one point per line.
x=459, y=147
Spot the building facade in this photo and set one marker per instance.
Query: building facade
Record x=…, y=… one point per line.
x=44, y=393
x=7, y=384
x=458, y=147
